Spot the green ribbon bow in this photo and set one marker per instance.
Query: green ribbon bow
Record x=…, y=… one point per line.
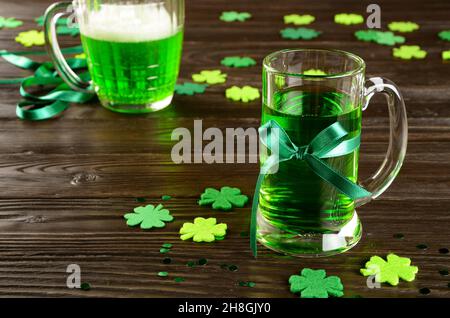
x=330, y=142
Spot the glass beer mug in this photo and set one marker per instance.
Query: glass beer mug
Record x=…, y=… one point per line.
x=312, y=96
x=133, y=50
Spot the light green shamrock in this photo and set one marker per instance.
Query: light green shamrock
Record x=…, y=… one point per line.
x=203, y=230
x=149, y=217
x=403, y=26
x=9, y=23
x=210, y=77
x=408, y=52
x=244, y=94
x=315, y=284
x=30, y=38
x=224, y=199
x=231, y=16
x=388, y=38
x=389, y=272
x=348, y=18
x=446, y=55
x=80, y=56
x=314, y=72
x=237, y=61
x=298, y=19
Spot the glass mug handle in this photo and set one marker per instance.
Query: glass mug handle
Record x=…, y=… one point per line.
x=53, y=13
x=398, y=140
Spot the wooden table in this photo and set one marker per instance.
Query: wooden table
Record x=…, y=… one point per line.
x=66, y=183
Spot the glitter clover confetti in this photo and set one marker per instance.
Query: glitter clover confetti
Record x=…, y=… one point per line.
x=348, y=18
x=446, y=55
x=389, y=38
x=298, y=19
x=203, y=230
x=244, y=94
x=149, y=217
x=224, y=199
x=237, y=61
x=391, y=271
x=65, y=30
x=9, y=23
x=190, y=88
x=30, y=38
x=81, y=56
x=315, y=284
x=299, y=33
x=231, y=16
x=444, y=35
x=314, y=72
x=210, y=77
x=403, y=26
x=408, y=52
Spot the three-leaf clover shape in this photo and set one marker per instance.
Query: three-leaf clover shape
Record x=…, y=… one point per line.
x=149, y=216
x=444, y=35
x=30, y=38
x=9, y=23
x=396, y=267
x=298, y=19
x=446, y=55
x=348, y=18
x=203, y=230
x=190, y=88
x=299, y=33
x=315, y=284
x=403, y=26
x=366, y=35
x=230, y=16
x=66, y=30
x=244, y=94
x=408, y=52
x=210, y=77
x=224, y=199
x=389, y=38
x=237, y=61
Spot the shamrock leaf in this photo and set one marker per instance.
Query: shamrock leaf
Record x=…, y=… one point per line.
x=9, y=23
x=149, y=217
x=314, y=72
x=210, y=77
x=297, y=19
x=389, y=38
x=30, y=38
x=244, y=94
x=190, y=88
x=299, y=33
x=389, y=272
x=366, y=35
x=203, y=230
x=348, y=18
x=444, y=35
x=403, y=26
x=446, y=55
x=408, y=52
x=224, y=199
x=230, y=16
x=237, y=61
x=65, y=30
x=60, y=21
x=314, y=284
x=80, y=56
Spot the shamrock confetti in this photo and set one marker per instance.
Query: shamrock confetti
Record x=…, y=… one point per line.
x=224, y=199
x=244, y=94
x=314, y=72
x=65, y=30
x=389, y=272
x=444, y=35
x=299, y=33
x=80, y=56
x=9, y=23
x=231, y=16
x=190, y=88
x=30, y=38
x=446, y=55
x=314, y=284
x=237, y=61
x=408, y=52
x=297, y=19
x=60, y=21
x=348, y=18
x=366, y=35
x=203, y=230
x=403, y=26
x=389, y=38
x=149, y=217
x=210, y=77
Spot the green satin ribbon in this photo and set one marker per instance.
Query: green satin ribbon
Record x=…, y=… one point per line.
x=330, y=142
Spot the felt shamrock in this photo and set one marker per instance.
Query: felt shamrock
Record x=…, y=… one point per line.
x=190, y=88
x=408, y=52
x=224, y=199
x=65, y=30
x=60, y=21
x=389, y=272
x=30, y=38
x=203, y=230
x=389, y=38
x=80, y=56
x=446, y=55
x=148, y=217
x=403, y=26
x=297, y=19
x=244, y=94
x=9, y=23
x=444, y=35
x=366, y=35
x=210, y=77
x=231, y=16
x=314, y=284
x=348, y=18
x=299, y=33
x=314, y=72
x=237, y=61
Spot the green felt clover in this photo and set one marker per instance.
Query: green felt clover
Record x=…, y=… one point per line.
x=60, y=21
x=9, y=23
x=389, y=272
x=65, y=30
x=210, y=77
x=298, y=19
x=408, y=52
x=299, y=33
x=446, y=55
x=403, y=26
x=389, y=38
x=30, y=38
x=190, y=88
x=348, y=18
x=203, y=230
x=314, y=72
x=366, y=35
x=224, y=199
x=237, y=61
x=444, y=35
x=231, y=16
x=315, y=284
x=244, y=94
x=149, y=217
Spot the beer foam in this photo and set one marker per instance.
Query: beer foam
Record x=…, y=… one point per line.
x=129, y=23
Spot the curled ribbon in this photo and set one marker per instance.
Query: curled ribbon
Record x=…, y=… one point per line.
x=329, y=143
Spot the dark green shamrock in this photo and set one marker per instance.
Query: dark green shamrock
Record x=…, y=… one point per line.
x=299, y=33
x=389, y=38
x=224, y=199
x=366, y=35
x=190, y=88
x=237, y=61
x=9, y=23
x=444, y=35
x=149, y=217
x=314, y=284
x=231, y=16
x=65, y=30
